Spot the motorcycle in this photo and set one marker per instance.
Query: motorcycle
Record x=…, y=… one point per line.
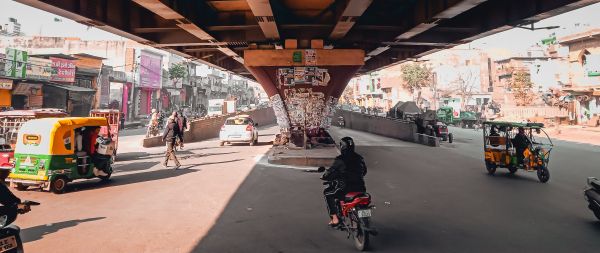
x=592, y=195
x=10, y=239
x=354, y=213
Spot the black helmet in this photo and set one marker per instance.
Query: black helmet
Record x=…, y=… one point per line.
x=347, y=145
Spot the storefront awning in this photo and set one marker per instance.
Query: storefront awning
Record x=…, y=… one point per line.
x=70, y=87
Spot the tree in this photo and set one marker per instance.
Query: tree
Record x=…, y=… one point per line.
x=521, y=85
x=177, y=72
x=465, y=84
x=416, y=76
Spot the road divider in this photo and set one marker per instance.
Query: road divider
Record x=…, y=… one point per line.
x=208, y=128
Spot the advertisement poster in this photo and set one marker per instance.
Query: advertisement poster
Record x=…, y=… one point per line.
x=6, y=84
x=39, y=68
x=303, y=75
x=150, y=70
x=310, y=57
x=63, y=70
x=16, y=63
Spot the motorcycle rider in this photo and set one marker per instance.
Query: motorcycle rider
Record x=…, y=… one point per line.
x=347, y=174
x=7, y=198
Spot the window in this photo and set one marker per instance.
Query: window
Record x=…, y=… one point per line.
x=238, y=121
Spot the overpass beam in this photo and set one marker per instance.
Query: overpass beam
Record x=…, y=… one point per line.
x=346, y=20
x=264, y=16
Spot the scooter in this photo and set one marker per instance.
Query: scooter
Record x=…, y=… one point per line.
x=354, y=212
x=10, y=236
x=592, y=195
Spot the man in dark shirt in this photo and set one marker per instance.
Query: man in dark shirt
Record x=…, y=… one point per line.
x=169, y=136
x=7, y=198
x=521, y=142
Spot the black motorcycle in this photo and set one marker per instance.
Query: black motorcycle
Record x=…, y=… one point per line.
x=10, y=238
x=592, y=195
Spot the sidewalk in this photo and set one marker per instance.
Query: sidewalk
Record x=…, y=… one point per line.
x=581, y=134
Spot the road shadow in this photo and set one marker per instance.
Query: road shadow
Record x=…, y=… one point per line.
x=184, y=157
x=518, y=176
x=146, y=176
x=38, y=232
x=134, y=156
x=134, y=166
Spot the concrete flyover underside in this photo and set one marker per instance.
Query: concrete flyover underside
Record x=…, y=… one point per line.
x=219, y=32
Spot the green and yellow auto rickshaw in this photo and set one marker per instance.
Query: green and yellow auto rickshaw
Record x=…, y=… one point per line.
x=51, y=152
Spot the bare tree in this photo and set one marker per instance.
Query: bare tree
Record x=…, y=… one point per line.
x=465, y=85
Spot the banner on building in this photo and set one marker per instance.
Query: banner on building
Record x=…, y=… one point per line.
x=105, y=86
x=150, y=70
x=63, y=70
x=6, y=84
x=15, y=63
x=39, y=68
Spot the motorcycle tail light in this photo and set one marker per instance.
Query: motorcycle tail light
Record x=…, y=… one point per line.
x=249, y=128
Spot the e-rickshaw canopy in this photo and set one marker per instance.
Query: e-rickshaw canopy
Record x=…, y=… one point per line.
x=53, y=136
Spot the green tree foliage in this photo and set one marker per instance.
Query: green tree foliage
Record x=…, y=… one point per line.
x=416, y=76
x=521, y=87
x=177, y=72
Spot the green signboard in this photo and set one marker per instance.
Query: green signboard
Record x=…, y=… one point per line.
x=297, y=56
x=15, y=63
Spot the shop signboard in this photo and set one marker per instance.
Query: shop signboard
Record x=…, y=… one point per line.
x=150, y=70
x=63, y=70
x=118, y=76
x=6, y=84
x=39, y=68
x=15, y=63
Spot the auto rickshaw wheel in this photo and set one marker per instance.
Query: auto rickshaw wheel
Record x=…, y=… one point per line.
x=512, y=169
x=21, y=187
x=543, y=174
x=58, y=185
x=491, y=167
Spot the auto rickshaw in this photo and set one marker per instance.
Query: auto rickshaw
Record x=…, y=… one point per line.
x=51, y=152
x=499, y=148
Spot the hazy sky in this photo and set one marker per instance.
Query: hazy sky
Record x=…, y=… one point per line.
x=37, y=22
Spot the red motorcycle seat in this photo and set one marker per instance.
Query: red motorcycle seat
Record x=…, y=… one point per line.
x=352, y=195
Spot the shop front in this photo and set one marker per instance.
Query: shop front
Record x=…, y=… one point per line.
x=150, y=82
x=5, y=93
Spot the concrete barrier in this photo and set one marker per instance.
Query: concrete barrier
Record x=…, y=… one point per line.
x=208, y=128
x=393, y=128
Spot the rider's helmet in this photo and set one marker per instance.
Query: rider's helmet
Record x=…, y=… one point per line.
x=5, y=171
x=347, y=145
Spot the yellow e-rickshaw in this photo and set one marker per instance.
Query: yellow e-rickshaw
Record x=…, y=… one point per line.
x=529, y=152
x=51, y=152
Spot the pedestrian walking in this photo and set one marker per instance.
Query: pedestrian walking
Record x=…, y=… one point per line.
x=169, y=137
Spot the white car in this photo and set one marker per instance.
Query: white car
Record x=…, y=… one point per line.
x=240, y=128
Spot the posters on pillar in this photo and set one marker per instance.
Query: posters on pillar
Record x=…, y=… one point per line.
x=310, y=57
x=303, y=75
x=329, y=112
x=305, y=107
x=280, y=113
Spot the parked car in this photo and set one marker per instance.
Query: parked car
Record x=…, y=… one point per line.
x=240, y=128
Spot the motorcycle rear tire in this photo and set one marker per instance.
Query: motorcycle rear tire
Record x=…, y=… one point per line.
x=361, y=233
x=597, y=214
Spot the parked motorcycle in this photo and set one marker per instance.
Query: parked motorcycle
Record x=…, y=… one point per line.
x=592, y=195
x=10, y=238
x=354, y=212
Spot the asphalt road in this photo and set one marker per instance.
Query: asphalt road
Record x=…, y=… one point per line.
x=229, y=200
x=428, y=200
